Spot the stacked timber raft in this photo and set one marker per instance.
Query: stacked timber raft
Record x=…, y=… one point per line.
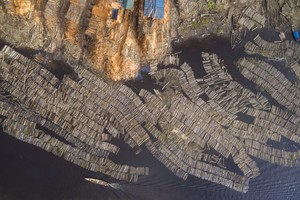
x=190, y=125
x=286, y=50
x=273, y=81
x=251, y=19
x=71, y=111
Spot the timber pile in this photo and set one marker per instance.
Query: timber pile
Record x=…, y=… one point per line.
x=25, y=131
x=171, y=60
x=75, y=20
x=179, y=80
x=203, y=133
x=193, y=135
x=278, y=121
x=273, y=81
x=74, y=17
x=227, y=96
x=276, y=156
x=252, y=19
x=60, y=105
x=288, y=50
x=273, y=12
x=54, y=24
x=262, y=47
x=296, y=68
x=289, y=10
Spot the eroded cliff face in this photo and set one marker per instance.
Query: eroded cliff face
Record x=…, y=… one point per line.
x=84, y=31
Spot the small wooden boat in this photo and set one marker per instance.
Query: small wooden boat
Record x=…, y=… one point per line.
x=98, y=181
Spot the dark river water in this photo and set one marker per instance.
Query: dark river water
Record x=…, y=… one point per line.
x=29, y=173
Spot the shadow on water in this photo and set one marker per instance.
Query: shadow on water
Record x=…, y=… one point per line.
x=146, y=83
x=24, y=51
x=191, y=53
x=2, y=44
x=58, y=67
x=53, y=134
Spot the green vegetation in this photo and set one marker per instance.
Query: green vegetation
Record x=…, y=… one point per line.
x=164, y=137
x=264, y=52
x=293, y=157
x=220, y=30
x=257, y=129
x=204, y=20
x=194, y=145
x=238, y=66
x=201, y=21
x=194, y=24
x=213, y=114
x=211, y=5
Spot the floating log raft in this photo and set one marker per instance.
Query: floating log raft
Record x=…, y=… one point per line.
x=189, y=74
x=296, y=68
x=272, y=155
x=251, y=19
x=265, y=48
x=180, y=80
x=25, y=131
x=236, y=38
x=237, y=33
x=212, y=134
x=60, y=109
x=278, y=121
x=225, y=93
x=171, y=60
x=273, y=81
x=288, y=50
x=66, y=104
x=255, y=132
x=193, y=134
